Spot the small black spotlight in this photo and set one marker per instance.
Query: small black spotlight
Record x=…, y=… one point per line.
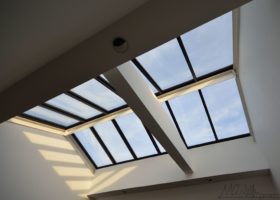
x=120, y=45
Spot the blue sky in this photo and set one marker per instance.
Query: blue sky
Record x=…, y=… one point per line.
x=210, y=46
x=113, y=141
x=166, y=64
x=74, y=106
x=99, y=94
x=136, y=135
x=226, y=109
x=192, y=119
x=93, y=147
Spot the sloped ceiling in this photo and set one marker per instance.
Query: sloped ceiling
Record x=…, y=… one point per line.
x=34, y=32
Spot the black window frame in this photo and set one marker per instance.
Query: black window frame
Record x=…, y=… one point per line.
x=161, y=91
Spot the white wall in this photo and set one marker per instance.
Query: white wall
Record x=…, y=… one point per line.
x=260, y=75
x=36, y=165
x=230, y=157
x=40, y=165
x=210, y=191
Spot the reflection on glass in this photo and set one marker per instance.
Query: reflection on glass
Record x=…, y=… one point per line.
x=136, y=135
x=113, y=141
x=192, y=119
x=93, y=148
x=210, y=46
x=51, y=116
x=166, y=64
x=99, y=94
x=225, y=108
x=74, y=106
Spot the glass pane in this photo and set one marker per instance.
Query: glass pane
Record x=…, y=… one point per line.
x=148, y=82
x=210, y=46
x=225, y=107
x=136, y=135
x=99, y=94
x=166, y=64
x=192, y=119
x=162, y=150
x=51, y=116
x=163, y=104
x=113, y=141
x=93, y=148
x=74, y=106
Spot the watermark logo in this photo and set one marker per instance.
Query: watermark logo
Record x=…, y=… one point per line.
x=244, y=191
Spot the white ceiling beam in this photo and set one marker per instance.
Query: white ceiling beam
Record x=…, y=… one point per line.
x=131, y=86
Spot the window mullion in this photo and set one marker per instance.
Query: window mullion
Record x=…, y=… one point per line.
x=124, y=139
x=95, y=133
x=153, y=140
x=85, y=151
x=184, y=51
x=146, y=74
x=85, y=101
x=208, y=114
x=175, y=122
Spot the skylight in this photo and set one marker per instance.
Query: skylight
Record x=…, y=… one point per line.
x=136, y=135
x=87, y=101
x=93, y=148
x=209, y=46
x=192, y=119
x=150, y=85
x=123, y=139
x=73, y=106
x=113, y=141
x=204, y=116
x=163, y=61
x=99, y=94
x=226, y=109
x=53, y=117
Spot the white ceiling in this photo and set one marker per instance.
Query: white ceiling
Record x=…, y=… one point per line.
x=34, y=32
